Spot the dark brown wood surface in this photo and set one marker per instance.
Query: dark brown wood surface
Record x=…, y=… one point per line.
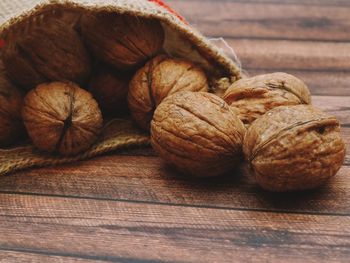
x=129, y=207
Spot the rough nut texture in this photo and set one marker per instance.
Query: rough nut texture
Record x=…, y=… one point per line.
x=61, y=118
x=11, y=102
x=45, y=51
x=198, y=133
x=253, y=97
x=158, y=79
x=110, y=89
x=294, y=148
x=123, y=41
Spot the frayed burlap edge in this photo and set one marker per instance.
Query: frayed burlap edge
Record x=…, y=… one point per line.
x=118, y=134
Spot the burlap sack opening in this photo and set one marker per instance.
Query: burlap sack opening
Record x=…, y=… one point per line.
x=181, y=40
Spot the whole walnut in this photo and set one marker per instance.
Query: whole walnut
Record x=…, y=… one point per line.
x=198, y=133
x=253, y=97
x=61, y=118
x=123, y=41
x=45, y=51
x=11, y=102
x=294, y=148
x=110, y=89
x=158, y=79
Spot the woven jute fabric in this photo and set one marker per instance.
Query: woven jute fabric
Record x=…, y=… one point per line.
x=181, y=40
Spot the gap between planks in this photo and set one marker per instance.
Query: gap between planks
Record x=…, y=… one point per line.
x=170, y=204
x=136, y=231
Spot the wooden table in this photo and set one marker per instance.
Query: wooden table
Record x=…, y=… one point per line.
x=129, y=207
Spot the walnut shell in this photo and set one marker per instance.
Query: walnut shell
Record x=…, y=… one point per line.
x=253, y=97
x=123, y=41
x=110, y=89
x=198, y=133
x=294, y=148
x=158, y=79
x=61, y=118
x=11, y=102
x=43, y=52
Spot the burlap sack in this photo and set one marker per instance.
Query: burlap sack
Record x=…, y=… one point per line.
x=181, y=41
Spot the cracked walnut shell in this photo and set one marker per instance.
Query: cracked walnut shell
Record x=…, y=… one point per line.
x=123, y=41
x=294, y=148
x=45, y=51
x=159, y=78
x=11, y=102
x=253, y=97
x=61, y=118
x=198, y=133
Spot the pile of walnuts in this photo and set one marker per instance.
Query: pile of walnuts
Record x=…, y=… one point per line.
x=266, y=120
x=58, y=83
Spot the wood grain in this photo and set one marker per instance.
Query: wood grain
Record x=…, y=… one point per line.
x=291, y=20
x=295, y=55
x=343, y=3
x=139, y=232
x=147, y=179
x=26, y=256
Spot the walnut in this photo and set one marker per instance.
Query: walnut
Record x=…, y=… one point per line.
x=123, y=41
x=159, y=78
x=294, y=148
x=110, y=89
x=198, y=133
x=11, y=102
x=43, y=52
x=61, y=118
x=253, y=97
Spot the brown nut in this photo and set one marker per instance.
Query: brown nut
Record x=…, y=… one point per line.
x=110, y=89
x=45, y=51
x=253, y=97
x=198, y=133
x=123, y=41
x=294, y=148
x=158, y=79
x=11, y=102
x=61, y=118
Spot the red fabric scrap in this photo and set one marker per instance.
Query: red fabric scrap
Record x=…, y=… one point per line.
x=2, y=43
x=162, y=4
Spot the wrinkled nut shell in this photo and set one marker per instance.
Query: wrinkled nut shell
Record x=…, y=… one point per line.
x=253, y=97
x=198, y=133
x=123, y=41
x=110, y=90
x=158, y=79
x=294, y=148
x=45, y=51
x=61, y=118
x=11, y=102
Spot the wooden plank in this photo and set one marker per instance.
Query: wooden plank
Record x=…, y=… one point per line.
x=297, y=55
x=268, y=19
x=145, y=178
x=148, y=179
x=141, y=232
x=343, y=3
x=24, y=256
